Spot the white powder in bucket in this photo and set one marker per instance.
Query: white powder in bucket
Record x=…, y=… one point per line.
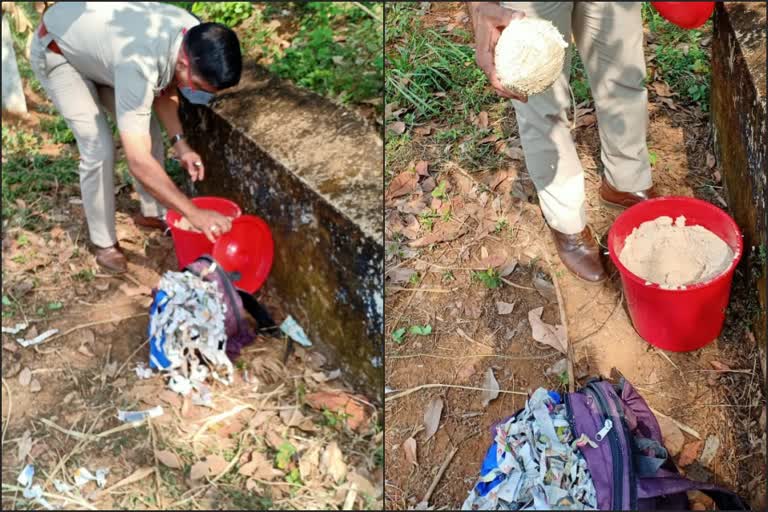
x=529, y=55
x=675, y=255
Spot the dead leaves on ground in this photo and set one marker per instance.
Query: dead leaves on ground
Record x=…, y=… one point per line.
x=548, y=334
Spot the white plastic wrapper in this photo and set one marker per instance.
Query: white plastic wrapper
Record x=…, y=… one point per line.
x=142, y=372
x=37, y=339
x=16, y=329
x=294, y=331
x=134, y=416
x=83, y=476
x=32, y=492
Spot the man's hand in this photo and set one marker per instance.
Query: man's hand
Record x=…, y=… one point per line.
x=211, y=223
x=489, y=20
x=191, y=161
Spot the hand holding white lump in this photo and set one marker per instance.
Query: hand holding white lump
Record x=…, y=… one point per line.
x=529, y=55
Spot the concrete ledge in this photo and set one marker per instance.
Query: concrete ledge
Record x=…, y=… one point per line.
x=739, y=121
x=314, y=171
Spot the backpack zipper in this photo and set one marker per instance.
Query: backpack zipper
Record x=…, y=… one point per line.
x=630, y=469
x=616, y=461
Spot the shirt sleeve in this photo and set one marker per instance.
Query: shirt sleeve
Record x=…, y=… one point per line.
x=134, y=95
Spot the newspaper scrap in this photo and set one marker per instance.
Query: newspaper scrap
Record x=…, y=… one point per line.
x=142, y=372
x=293, y=330
x=134, y=416
x=37, y=339
x=534, y=463
x=16, y=329
x=189, y=320
x=32, y=492
x=83, y=476
x=62, y=487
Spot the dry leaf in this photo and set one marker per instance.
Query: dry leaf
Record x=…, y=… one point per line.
x=398, y=127
x=504, y=308
x=552, y=335
x=720, y=367
x=443, y=232
x=515, y=153
x=409, y=446
x=24, y=446
x=83, y=349
x=508, y=268
x=259, y=419
x=198, y=470
x=400, y=274
x=291, y=417
x=586, y=120
x=491, y=386
x=545, y=288
x=332, y=462
x=422, y=130
x=25, y=377
x=35, y=386
x=216, y=464
x=101, y=286
x=482, y=120
x=662, y=89
x=422, y=167
x=432, y=417
x=136, y=476
x=710, y=160
x=309, y=464
x=169, y=459
x=405, y=183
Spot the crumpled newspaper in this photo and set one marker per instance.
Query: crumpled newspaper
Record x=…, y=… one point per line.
x=190, y=321
x=534, y=463
x=33, y=492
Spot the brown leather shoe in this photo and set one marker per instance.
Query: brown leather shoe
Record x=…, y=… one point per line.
x=581, y=255
x=111, y=259
x=150, y=222
x=609, y=196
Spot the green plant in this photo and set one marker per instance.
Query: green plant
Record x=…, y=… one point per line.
x=86, y=275
x=448, y=276
x=58, y=130
x=427, y=219
x=398, y=334
x=333, y=419
x=294, y=476
x=227, y=13
x=285, y=453
x=578, y=80
x=439, y=191
x=421, y=330
x=414, y=279
x=490, y=278
x=501, y=224
x=55, y=306
x=652, y=158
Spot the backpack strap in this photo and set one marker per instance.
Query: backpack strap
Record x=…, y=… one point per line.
x=669, y=483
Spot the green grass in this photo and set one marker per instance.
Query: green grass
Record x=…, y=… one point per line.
x=680, y=58
x=490, y=278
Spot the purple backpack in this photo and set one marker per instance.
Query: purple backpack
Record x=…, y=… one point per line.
x=632, y=471
x=239, y=333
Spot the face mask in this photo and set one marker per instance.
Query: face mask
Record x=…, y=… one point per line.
x=195, y=96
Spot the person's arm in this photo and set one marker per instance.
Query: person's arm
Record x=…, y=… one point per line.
x=144, y=167
x=488, y=21
x=167, y=109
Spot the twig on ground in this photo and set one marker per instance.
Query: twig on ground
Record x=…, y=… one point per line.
x=661, y=352
x=367, y=11
x=91, y=324
x=681, y=426
x=455, y=386
x=464, y=335
x=158, y=485
x=439, y=475
x=128, y=359
x=600, y=328
x=78, y=446
x=410, y=298
x=8, y=416
x=460, y=358
x=430, y=290
x=220, y=417
x=510, y=283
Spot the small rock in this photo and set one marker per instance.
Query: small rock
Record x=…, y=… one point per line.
x=689, y=453
x=25, y=377
x=35, y=386
x=558, y=368
x=710, y=450
x=671, y=435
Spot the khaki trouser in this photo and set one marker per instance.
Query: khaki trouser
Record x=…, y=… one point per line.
x=82, y=104
x=609, y=38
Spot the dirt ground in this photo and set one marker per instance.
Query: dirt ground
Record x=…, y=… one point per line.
x=282, y=436
x=715, y=391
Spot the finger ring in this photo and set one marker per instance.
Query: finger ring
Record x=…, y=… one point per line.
x=198, y=164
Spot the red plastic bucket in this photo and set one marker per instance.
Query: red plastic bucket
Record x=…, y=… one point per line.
x=677, y=320
x=191, y=245
x=685, y=14
x=247, y=249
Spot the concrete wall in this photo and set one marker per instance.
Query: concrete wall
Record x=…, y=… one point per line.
x=739, y=121
x=313, y=171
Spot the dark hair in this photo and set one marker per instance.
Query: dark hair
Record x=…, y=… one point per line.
x=214, y=52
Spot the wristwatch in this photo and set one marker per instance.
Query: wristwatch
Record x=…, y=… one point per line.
x=176, y=138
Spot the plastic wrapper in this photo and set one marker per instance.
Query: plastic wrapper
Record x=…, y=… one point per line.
x=41, y=338
x=293, y=330
x=134, y=416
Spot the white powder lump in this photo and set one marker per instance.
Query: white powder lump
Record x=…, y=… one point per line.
x=530, y=55
x=674, y=255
